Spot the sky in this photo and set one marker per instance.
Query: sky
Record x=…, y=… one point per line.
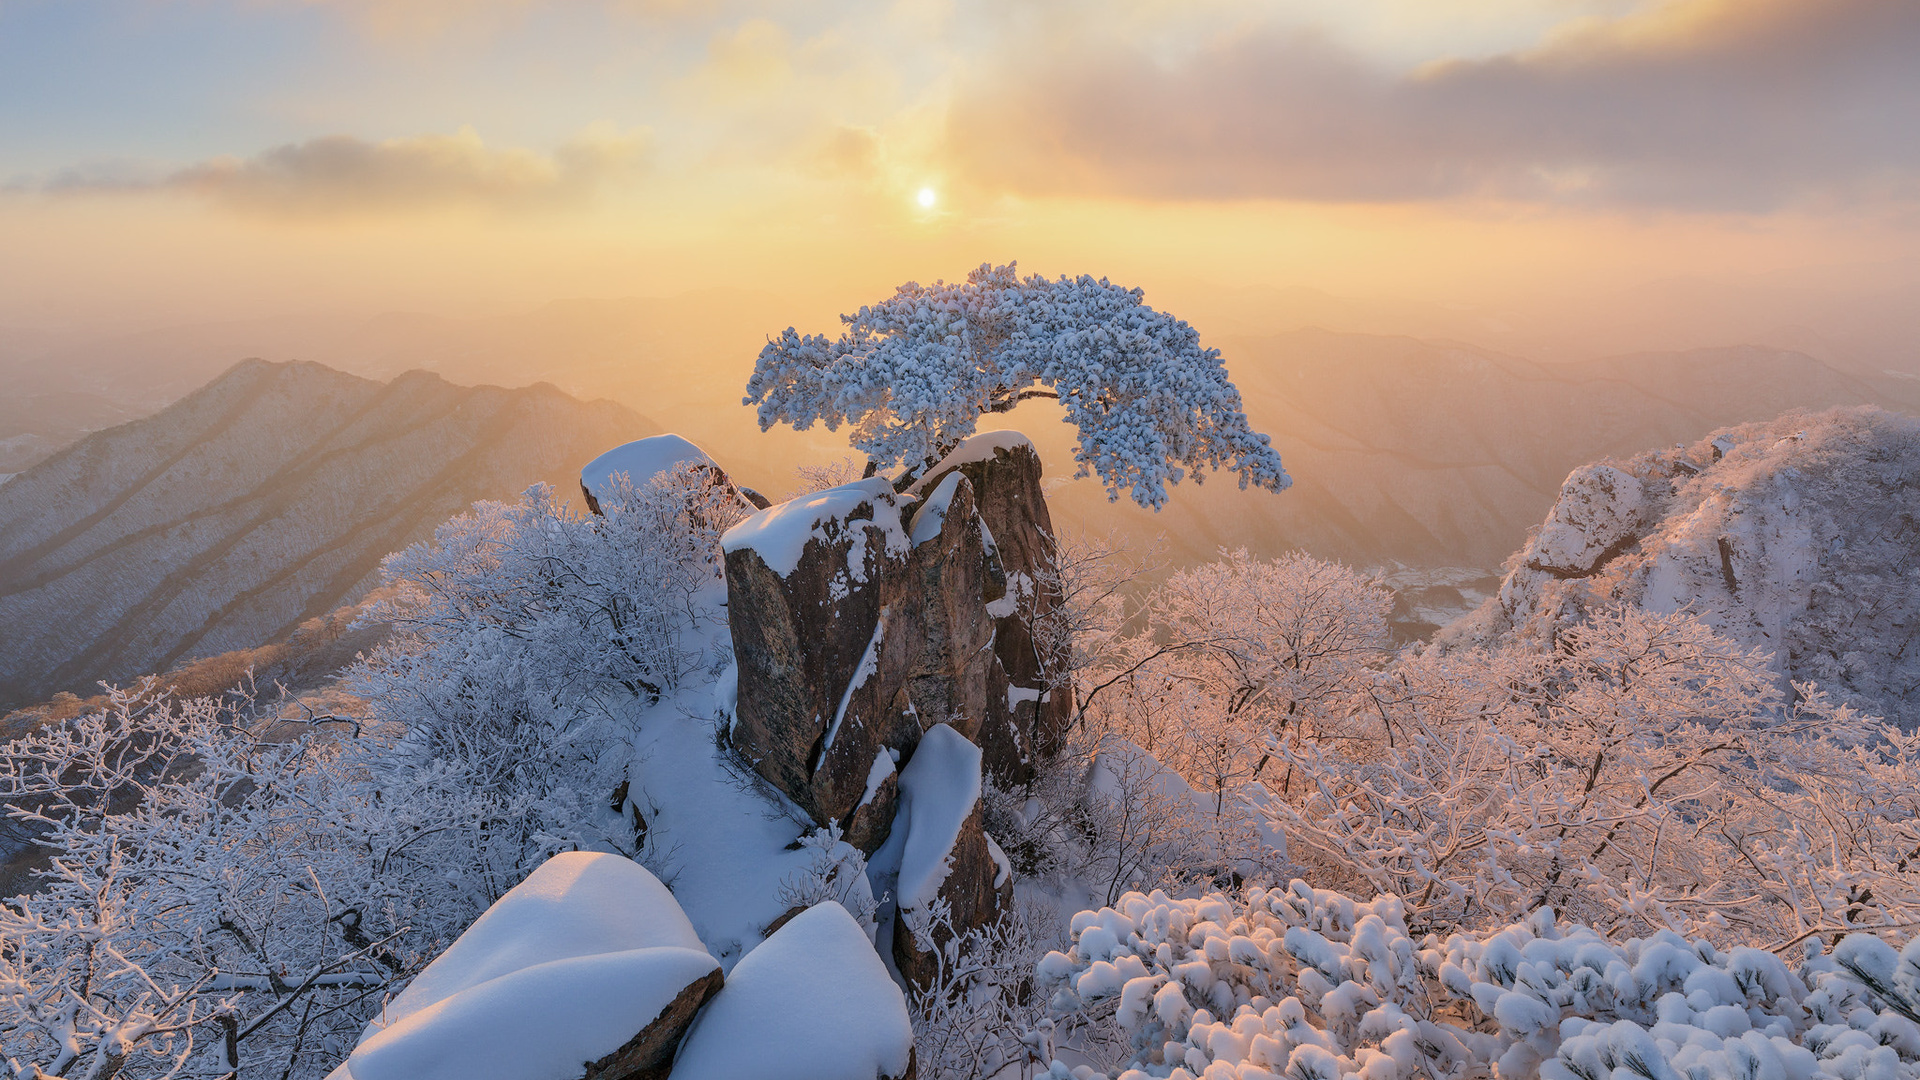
x=168, y=161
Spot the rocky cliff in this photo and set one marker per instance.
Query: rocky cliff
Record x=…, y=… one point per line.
x=1799, y=536
x=888, y=668
x=263, y=500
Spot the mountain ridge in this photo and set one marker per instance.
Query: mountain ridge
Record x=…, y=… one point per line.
x=264, y=499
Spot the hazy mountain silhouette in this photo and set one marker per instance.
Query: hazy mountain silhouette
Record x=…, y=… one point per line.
x=262, y=500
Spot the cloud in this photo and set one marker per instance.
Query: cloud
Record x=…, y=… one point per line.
x=341, y=174
x=1730, y=104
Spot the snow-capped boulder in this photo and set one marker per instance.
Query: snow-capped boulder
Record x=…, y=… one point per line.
x=639, y=461
x=1597, y=515
x=946, y=862
x=1793, y=536
x=1027, y=716
x=587, y=970
x=810, y=623
x=812, y=1001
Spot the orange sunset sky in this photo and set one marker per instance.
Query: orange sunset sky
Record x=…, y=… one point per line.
x=1545, y=167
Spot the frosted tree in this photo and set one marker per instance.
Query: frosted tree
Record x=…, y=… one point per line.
x=1648, y=775
x=913, y=374
x=520, y=627
x=217, y=899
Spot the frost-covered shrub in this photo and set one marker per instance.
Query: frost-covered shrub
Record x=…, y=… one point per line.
x=914, y=373
x=1646, y=774
x=216, y=900
x=1313, y=985
x=519, y=629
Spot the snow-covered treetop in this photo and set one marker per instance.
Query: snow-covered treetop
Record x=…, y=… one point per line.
x=914, y=373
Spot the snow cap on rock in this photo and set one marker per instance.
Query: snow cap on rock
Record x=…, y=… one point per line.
x=641, y=461
x=811, y=1001
x=779, y=534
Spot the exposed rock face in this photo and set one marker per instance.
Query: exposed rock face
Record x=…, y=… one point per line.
x=1796, y=536
x=649, y=1055
x=1025, y=715
x=813, y=587
x=877, y=629
x=888, y=663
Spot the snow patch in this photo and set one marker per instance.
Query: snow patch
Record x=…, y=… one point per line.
x=932, y=515
x=938, y=791
x=538, y=1023
x=981, y=447
x=576, y=904
x=565, y=968
x=813, y=1000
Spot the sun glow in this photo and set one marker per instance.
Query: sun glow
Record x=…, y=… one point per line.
x=927, y=198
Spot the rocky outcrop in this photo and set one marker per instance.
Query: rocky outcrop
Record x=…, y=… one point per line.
x=860, y=619
x=1796, y=537
x=868, y=623
x=1026, y=715
x=815, y=588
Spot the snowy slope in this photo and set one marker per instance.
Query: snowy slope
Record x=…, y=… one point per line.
x=1797, y=536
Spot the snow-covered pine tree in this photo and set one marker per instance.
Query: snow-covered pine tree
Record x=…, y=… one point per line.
x=914, y=374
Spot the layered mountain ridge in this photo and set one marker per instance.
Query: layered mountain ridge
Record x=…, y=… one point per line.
x=264, y=499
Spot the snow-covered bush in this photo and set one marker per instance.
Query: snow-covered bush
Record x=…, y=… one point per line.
x=1312, y=985
x=1646, y=775
x=214, y=900
x=979, y=1015
x=521, y=628
x=914, y=373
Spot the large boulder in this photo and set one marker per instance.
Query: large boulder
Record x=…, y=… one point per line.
x=951, y=877
x=632, y=466
x=812, y=1001
x=820, y=711
x=859, y=621
x=1028, y=714
x=587, y=970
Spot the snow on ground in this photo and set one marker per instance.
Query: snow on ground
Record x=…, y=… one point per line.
x=780, y=533
x=565, y=968
x=722, y=839
x=641, y=461
x=812, y=1001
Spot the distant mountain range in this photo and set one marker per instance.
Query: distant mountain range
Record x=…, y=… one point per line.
x=1443, y=455
x=1407, y=453
x=262, y=500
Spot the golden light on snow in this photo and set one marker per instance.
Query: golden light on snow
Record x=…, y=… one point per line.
x=927, y=197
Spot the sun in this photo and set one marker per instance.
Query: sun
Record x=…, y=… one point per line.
x=927, y=197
